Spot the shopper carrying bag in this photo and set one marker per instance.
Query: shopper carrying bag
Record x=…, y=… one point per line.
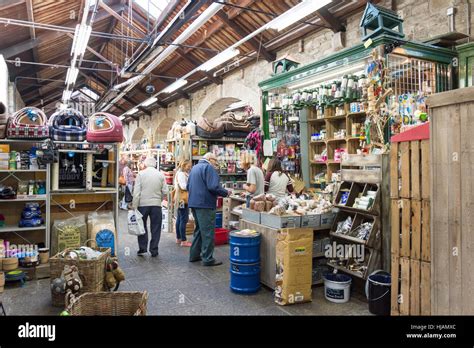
x=148, y=192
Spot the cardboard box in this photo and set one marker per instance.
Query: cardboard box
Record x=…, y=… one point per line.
x=4, y=148
x=294, y=260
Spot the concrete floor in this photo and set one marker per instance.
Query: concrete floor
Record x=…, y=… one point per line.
x=178, y=287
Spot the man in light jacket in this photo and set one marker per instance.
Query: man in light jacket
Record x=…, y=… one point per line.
x=204, y=188
x=150, y=188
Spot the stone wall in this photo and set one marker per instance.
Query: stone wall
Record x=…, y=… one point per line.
x=423, y=19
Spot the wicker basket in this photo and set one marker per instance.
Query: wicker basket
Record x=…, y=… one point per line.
x=109, y=303
x=92, y=273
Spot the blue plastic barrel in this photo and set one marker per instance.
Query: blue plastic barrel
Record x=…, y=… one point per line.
x=244, y=278
x=219, y=220
x=244, y=249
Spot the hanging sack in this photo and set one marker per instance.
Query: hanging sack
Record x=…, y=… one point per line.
x=28, y=123
x=135, y=223
x=67, y=125
x=128, y=195
x=104, y=128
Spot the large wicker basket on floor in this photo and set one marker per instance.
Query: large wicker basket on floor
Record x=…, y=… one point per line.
x=109, y=303
x=92, y=273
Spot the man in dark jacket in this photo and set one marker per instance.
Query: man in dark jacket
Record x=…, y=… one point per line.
x=203, y=189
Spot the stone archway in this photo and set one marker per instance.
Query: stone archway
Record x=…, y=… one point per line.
x=161, y=131
x=138, y=135
x=214, y=110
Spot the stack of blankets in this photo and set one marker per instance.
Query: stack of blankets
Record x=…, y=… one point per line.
x=227, y=125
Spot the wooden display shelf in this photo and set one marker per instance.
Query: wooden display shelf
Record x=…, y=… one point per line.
x=321, y=163
x=348, y=238
x=13, y=228
x=336, y=140
x=318, y=142
x=357, y=114
x=23, y=171
x=346, y=270
x=313, y=120
x=26, y=199
x=340, y=117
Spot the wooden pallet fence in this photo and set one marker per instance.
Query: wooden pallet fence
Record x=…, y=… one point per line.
x=410, y=225
x=411, y=287
x=410, y=170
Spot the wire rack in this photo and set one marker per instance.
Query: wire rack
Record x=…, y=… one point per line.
x=416, y=76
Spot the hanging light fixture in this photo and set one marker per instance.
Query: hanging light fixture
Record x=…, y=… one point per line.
x=293, y=15
x=175, y=85
x=132, y=111
x=217, y=60
x=81, y=38
x=149, y=101
x=66, y=96
x=71, y=75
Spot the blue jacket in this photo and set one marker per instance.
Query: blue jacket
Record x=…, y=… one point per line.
x=204, y=186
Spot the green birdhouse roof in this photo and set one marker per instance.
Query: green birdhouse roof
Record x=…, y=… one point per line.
x=372, y=12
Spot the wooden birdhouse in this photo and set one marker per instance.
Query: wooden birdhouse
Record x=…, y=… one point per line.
x=284, y=64
x=378, y=20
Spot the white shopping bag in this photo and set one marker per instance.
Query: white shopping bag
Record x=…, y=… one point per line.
x=135, y=223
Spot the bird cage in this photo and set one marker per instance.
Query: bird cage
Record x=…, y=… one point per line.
x=417, y=76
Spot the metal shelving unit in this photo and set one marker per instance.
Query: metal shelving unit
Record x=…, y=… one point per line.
x=25, y=174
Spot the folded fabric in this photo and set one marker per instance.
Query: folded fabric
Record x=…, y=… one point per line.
x=209, y=135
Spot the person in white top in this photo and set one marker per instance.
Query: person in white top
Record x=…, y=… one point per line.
x=277, y=182
x=181, y=202
x=150, y=188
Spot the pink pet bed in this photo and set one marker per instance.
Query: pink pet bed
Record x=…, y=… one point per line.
x=104, y=128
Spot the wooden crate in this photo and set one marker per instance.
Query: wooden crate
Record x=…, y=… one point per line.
x=410, y=169
x=411, y=287
x=410, y=225
x=452, y=200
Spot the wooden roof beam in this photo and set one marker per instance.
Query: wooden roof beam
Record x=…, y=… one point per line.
x=270, y=57
x=195, y=62
x=122, y=20
x=4, y=4
x=145, y=111
x=329, y=20
x=47, y=36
